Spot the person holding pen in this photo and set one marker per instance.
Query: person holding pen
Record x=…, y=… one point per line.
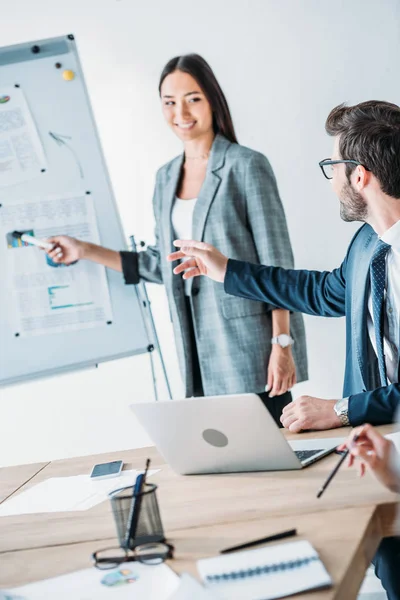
x=225, y=194
x=371, y=451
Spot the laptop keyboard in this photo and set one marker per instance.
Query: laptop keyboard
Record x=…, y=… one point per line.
x=303, y=455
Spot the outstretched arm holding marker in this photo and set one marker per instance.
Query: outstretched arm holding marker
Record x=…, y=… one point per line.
x=68, y=250
x=43, y=244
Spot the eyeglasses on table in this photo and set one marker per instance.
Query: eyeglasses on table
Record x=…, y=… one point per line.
x=148, y=554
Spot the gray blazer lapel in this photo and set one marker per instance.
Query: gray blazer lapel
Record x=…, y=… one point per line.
x=168, y=199
x=210, y=186
x=360, y=307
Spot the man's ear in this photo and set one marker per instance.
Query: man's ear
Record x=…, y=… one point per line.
x=361, y=177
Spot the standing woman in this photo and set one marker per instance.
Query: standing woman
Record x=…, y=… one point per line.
x=224, y=194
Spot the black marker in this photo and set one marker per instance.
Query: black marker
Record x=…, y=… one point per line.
x=270, y=538
x=336, y=469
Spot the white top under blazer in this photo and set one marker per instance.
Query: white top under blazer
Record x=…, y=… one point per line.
x=182, y=220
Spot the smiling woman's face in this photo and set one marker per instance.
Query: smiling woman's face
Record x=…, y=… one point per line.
x=185, y=107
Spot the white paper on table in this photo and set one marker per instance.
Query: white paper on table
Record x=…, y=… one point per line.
x=64, y=494
x=131, y=580
x=395, y=438
x=21, y=151
x=190, y=589
x=46, y=297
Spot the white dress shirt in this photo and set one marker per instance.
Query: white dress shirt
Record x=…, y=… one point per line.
x=182, y=220
x=391, y=332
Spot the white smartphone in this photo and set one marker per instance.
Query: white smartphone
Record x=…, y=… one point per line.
x=104, y=470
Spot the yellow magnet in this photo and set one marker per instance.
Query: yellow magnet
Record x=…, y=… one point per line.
x=68, y=75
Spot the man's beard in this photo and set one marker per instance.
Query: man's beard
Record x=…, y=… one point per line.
x=352, y=205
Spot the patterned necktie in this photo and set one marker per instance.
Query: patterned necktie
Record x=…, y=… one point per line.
x=377, y=271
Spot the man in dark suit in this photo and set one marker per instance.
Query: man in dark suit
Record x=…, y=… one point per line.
x=365, y=175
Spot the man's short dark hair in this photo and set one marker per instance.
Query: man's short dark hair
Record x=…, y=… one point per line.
x=370, y=133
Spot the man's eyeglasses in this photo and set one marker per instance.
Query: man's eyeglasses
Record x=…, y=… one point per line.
x=327, y=166
x=148, y=554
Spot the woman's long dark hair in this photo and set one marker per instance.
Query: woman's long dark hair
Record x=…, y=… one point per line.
x=200, y=70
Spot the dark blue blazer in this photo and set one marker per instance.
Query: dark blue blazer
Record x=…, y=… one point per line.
x=342, y=292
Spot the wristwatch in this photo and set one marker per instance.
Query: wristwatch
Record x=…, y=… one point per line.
x=341, y=408
x=283, y=340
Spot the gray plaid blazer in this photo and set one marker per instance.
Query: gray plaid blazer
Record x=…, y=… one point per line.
x=239, y=211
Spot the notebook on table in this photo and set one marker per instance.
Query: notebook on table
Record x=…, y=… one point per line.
x=191, y=589
x=265, y=573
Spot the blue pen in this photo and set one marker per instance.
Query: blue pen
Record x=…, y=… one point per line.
x=135, y=505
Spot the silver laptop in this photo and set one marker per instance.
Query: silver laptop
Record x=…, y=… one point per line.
x=224, y=434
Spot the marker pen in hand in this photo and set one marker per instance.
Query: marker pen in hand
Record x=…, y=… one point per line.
x=32, y=241
x=339, y=464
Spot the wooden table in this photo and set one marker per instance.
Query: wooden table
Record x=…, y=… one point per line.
x=202, y=514
x=13, y=478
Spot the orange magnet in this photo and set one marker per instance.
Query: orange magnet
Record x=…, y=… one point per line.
x=68, y=75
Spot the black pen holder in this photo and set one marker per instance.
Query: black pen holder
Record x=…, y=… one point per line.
x=149, y=527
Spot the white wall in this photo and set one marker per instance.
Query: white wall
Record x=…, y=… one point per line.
x=283, y=65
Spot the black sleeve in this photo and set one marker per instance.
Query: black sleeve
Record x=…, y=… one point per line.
x=130, y=267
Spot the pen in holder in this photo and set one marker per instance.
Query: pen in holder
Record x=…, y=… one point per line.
x=139, y=509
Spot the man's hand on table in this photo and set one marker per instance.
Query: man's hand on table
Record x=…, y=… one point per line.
x=308, y=412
